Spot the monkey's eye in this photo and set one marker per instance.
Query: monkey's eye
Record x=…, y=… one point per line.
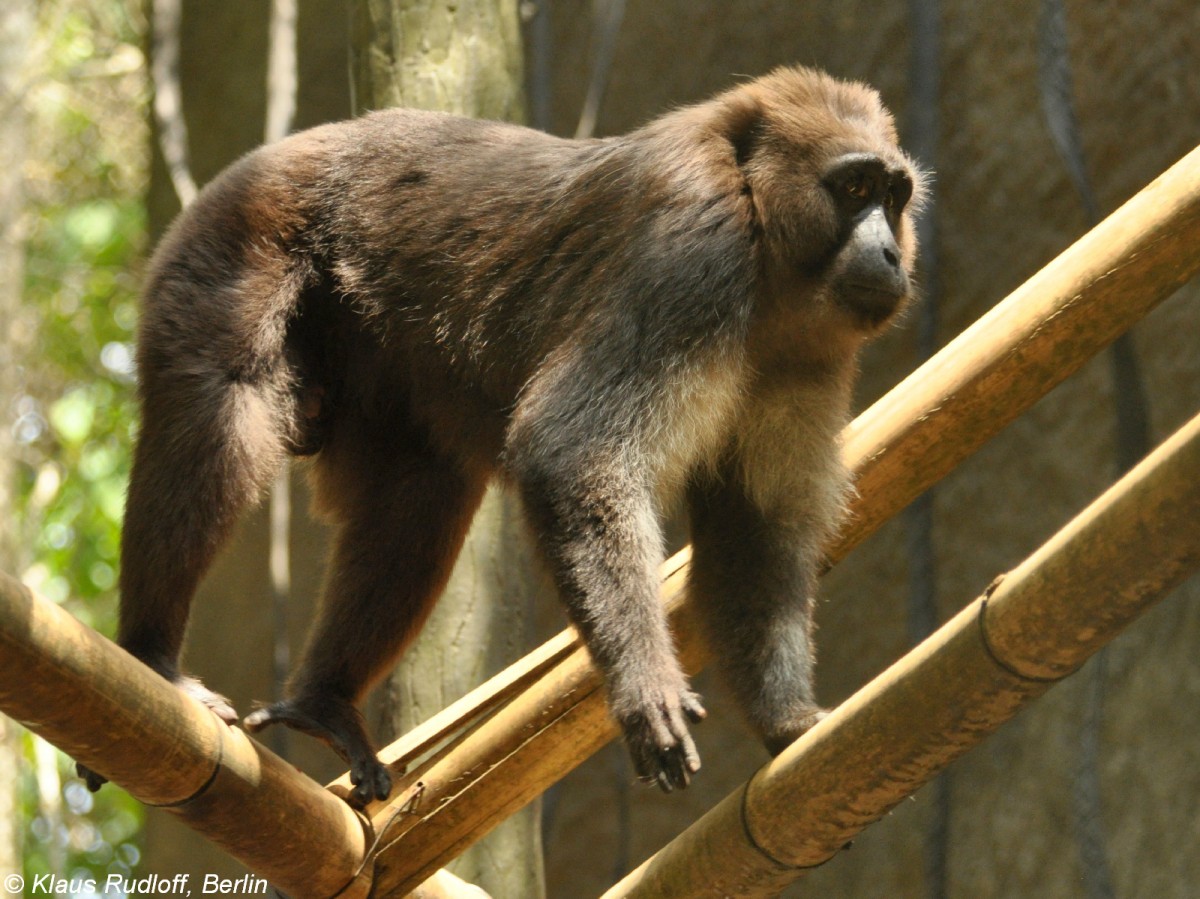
x=857, y=185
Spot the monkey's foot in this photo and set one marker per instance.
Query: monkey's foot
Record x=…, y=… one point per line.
x=192, y=687
x=338, y=724
x=799, y=725
x=659, y=741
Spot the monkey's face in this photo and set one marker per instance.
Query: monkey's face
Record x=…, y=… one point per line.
x=868, y=275
x=833, y=196
x=844, y=250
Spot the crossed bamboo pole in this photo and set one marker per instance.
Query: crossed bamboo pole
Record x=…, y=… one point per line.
x=503, y=744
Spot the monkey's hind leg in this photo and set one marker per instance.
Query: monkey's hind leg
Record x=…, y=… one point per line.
x=402, y=516
x=207, y=448
x=200, y=461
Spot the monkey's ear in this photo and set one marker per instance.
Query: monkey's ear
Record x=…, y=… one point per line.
x=739, y=120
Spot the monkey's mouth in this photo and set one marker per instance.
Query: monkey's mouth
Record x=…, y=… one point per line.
x=870, y=306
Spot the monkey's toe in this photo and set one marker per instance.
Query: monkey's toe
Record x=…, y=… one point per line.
x=219, y=704
x=287, y=713
x=93, y=780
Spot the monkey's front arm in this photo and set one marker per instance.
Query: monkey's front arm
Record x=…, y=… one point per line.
x=753, y=581
x=577, y=455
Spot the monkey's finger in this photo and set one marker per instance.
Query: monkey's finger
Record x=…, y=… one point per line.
x=691, y=757
x=651, y=773
x=682, y=743
x=687, y=754
x=647, y=759
x=665, y=768
x=284, y=713
x=664, y=782
x=666, y=730
x=679, y=759
x=225, y=712
x=675, y=769
x=690, y=702
x=365, y=768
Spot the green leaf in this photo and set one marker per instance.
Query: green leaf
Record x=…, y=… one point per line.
x=93, y=225
x=72, y=416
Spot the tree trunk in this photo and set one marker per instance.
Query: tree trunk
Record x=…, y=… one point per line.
x=16, y=32
x=461, y=57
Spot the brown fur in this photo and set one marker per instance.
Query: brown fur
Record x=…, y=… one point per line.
x=419, y=300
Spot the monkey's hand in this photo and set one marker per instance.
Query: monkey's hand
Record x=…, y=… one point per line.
x=337, y=723
x=656, y=733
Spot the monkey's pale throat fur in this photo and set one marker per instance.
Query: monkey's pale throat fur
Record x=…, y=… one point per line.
x=419, y=301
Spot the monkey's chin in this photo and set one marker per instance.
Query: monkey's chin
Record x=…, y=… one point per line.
x=869, y=308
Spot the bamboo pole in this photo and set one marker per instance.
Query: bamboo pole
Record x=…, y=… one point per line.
x=81, y=692
x=936, y=418
x=1035, y=626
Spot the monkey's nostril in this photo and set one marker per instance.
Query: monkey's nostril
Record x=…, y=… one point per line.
x=891, y=257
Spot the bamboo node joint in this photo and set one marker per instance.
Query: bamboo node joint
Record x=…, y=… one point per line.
x=992, y=654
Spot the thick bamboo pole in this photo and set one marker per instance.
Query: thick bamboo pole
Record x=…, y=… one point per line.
x=81, y=692
x=1035, y=626
x=907, y=441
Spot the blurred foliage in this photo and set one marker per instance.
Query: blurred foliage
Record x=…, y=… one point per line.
x=85, y=173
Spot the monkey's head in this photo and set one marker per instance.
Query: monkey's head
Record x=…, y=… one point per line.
x=832, y=195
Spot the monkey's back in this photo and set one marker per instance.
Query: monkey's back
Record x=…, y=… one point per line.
x=457, y=256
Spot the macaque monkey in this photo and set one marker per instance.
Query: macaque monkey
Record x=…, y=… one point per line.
x=420, y=302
